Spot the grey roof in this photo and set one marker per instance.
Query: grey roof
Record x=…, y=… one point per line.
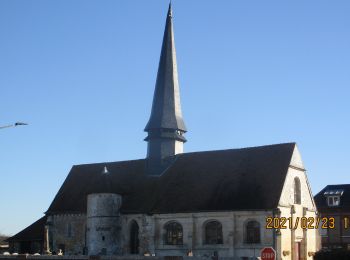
x=166, y=107
x=342, y=190
x=235, y=179
x=34, y=232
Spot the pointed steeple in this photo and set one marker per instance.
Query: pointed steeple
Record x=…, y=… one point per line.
x=166, y=107
x=166, y=126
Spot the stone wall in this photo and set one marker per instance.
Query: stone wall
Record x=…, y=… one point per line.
x=152, y=233
x=68, y=233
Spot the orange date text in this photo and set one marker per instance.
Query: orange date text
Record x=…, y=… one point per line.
x=299, y=222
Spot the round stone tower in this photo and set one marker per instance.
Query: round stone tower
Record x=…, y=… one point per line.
x=103, y=236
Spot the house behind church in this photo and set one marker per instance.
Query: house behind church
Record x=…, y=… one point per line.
x=176, y=204
x=333, y=201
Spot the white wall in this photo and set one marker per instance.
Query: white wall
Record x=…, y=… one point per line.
x=308, y=238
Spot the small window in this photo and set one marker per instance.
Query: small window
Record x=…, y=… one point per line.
x=333, y=201
x=253, y=232
x=173, y=233
x=297, y=191
x=213, y=233
x=323, y=232
x=69, y=230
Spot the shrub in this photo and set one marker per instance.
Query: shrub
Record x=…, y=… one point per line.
x=335, y=254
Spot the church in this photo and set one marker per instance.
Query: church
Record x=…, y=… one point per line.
x=172, y=203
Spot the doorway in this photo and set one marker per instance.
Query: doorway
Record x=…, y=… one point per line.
x=134, y=237
x=297, y=255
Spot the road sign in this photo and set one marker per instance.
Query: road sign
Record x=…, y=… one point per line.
x=268, y=253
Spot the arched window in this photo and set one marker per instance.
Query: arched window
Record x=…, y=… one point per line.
x=253, y=232
x=173, y=233
x=213, y=233
x=134, y=237
x=297, y=191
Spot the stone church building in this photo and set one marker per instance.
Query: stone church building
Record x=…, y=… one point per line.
x=211, y=203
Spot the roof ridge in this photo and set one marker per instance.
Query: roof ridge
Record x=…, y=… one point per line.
x=188, y=153
x=241, y=148
x=107, y=163
x=330, y=185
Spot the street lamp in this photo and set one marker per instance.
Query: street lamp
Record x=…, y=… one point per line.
x=13, y=125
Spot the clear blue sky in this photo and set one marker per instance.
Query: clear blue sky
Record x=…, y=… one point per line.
x=82, y=74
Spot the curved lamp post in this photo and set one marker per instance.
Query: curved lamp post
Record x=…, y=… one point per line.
x=13, y=125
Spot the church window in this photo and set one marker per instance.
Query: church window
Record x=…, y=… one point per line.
x=69, y=230
x=174, y=233
x=213, y=233
x=297, y=191
x=253, y=232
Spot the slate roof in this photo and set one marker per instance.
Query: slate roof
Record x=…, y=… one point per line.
x=34, y=232
x=321, y=202
x=166, y=106
x=236, y=179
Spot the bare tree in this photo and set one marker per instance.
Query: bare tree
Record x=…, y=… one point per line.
x=2, y=238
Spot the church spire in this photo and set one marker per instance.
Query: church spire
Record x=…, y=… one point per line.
x=166, y=107
x=166, y=126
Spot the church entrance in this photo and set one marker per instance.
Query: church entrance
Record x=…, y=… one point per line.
x=134, y=238
x=297, y=255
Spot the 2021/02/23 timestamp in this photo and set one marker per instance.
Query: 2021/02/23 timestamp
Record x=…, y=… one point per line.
x=304, y=222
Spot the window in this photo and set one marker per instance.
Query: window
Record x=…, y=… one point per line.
x=213, y=233
x=323, y=232
x=173, y=234
x=297, y=191
x=69, y=230
x=333, y=200
x=253, y=232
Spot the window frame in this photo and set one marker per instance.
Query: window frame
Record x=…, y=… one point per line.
x=331, y=198
x=256, y=231
x=173, y=233
x=219, y=238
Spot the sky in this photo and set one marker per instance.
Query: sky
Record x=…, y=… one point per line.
x=82, y=74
